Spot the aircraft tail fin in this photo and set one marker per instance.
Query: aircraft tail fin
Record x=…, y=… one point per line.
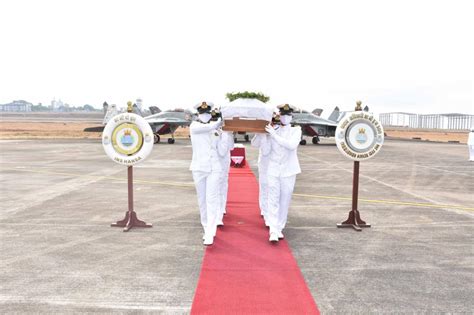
x=111, y=112
x=317, y=111
x=154, y=110
x=105, y=106
x=137, y=110
x=334, y=115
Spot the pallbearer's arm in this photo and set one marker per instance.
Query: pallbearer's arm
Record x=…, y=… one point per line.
x=266, y=145
x=197, y=127
x=230, y=141
x=291, y=143
x=225, y=143
x=257, y=140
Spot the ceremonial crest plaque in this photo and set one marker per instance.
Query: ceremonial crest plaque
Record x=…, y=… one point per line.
x=359, y=136
x=127, y=139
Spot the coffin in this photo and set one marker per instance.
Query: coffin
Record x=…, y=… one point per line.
x=244, y=125
x=246, y=115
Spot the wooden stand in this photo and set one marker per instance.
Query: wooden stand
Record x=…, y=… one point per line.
x=131, y=219
x=354, y=221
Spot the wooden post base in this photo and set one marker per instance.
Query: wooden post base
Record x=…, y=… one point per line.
x=354, y=221
x=130, y=221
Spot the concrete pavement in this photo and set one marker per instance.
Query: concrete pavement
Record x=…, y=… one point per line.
x=60, y=255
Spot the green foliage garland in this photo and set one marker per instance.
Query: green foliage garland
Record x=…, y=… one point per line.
x=259, y=96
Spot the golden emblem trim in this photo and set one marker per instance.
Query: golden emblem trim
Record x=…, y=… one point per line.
x=129, y=127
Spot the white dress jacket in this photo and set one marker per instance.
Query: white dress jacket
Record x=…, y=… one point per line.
x=205, y=139
x=283, y=158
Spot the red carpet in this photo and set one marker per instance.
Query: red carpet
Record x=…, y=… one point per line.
x=243, y=273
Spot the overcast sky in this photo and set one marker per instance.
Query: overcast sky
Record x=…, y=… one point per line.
x=414, y=56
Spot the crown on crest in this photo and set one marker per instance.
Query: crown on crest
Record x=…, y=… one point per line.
x=361, y=130
x=127, y=132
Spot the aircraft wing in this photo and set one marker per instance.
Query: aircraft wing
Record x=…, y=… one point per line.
x=167, y=120
x=311, y=119
x=94, y=129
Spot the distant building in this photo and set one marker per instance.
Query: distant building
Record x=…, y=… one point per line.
x=398, y=119
x=56, y=105
x=16, y=106
x=431, y=121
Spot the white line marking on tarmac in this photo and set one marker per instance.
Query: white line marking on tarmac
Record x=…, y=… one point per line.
x=106, y=224
x=44, y=194
x=443, y=170
x=100, y=177
x=383, y=183
x=392, y=202
x=381, y=226
x=93, y=304
x=51, y=249
x=178, y=225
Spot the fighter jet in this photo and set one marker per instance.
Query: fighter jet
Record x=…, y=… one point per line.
x=161, y=122
x=312, y=125
x=168, y=121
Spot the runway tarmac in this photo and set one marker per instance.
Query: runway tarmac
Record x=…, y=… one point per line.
x=92, y=117
x=59, y=254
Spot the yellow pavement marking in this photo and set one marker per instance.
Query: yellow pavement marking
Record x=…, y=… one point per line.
x=392, y=202
x=178, y=184
x=187, y=184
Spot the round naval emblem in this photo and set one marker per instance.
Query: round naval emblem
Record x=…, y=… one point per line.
x=359, y=136
x=127, y=139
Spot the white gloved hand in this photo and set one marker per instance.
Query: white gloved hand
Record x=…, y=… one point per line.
x=228, y=134
x=218, y=123
x=225, y=135
x=270, y=130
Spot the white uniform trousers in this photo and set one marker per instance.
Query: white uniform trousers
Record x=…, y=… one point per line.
x=208, y=193
x=224, y=186
x=471, y=153
x=263, y=192
x=280, y=190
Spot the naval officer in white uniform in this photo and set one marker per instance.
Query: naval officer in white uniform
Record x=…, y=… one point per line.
x=225, y=145
x=261, y=141
x=283, y=166
x=206, y=167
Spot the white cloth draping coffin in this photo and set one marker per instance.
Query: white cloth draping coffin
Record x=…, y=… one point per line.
x=247, y=108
